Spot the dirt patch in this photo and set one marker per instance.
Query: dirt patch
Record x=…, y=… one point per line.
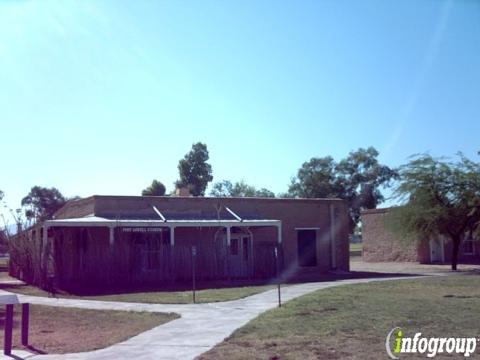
x=69, y=330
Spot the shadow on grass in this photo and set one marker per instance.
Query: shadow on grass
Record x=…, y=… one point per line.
x=350, y=276
x=35, y=350
x=187, y=286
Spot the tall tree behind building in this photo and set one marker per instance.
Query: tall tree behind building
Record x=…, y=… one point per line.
x=356, y=179
x=194, y=170
x=225, y=188
x=156, y=188
x=41, y=203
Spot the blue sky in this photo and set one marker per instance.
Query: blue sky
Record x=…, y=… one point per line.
x=101, y=97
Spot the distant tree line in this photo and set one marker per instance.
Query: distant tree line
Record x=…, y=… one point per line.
x=356, y=179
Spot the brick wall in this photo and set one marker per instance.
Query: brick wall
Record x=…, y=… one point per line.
x=294, y=213
x=379, y=244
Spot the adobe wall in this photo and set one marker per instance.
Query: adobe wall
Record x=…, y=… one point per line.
x=294, y=213
x=380, y=244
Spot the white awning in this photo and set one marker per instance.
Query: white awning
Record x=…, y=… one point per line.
x=92, y=221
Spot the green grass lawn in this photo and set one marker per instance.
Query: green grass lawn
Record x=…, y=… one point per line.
x=351, y=322
x=155, y=297
x=356, y=249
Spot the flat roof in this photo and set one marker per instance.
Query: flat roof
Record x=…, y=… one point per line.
x=199, y=198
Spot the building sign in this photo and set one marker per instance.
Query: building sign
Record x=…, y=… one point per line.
x=143, y=229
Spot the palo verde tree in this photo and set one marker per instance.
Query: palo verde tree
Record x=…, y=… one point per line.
x=438, y=197
x=225, y=188
x=41, y=203
x=356, y=179
x=156, y=188
x=194, y=170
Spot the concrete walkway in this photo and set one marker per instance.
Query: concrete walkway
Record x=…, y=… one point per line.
x=200, y=327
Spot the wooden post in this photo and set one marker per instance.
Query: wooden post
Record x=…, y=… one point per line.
x=25, y=323
x=7, y=344
x=194, y=255
x=229, y=270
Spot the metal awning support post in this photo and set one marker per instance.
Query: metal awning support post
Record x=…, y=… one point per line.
x=194, y=255
x=111, y=238
x=172, y=236
x=172, y=253
x=229, y=235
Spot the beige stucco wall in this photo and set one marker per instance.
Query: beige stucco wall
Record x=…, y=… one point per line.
x=380, y=244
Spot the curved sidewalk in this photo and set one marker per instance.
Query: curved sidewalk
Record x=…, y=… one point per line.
x=200, y=327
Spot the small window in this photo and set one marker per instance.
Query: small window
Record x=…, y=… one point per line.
x=307, y=247
x=233, y=246
x=468, y=247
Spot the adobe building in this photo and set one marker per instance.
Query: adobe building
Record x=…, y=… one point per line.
x=380, y=244
x=135, y=241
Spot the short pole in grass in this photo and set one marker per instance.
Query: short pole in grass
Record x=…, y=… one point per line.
x=25, y=323
x=278, y=277
x=194, y=254
x=7, y=341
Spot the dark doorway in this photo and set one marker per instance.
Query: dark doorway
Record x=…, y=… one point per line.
x=307, y=247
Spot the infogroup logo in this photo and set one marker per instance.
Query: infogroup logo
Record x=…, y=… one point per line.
x=397, y=343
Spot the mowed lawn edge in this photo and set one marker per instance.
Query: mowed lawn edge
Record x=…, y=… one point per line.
x=352, y=321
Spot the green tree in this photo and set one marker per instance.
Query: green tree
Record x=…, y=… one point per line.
x=194, y=170
x=264, y=193
x=438, y=197
x=225, y=188
x=361, y=176
x=356, y=179
x=156, y=188
x=41, y=203
x=222, y=188
x=316, y=178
